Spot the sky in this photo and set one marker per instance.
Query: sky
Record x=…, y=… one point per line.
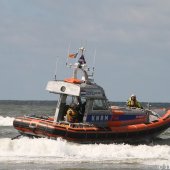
x=131, y=39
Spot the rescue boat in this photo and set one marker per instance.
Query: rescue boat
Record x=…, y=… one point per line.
x=98, y=121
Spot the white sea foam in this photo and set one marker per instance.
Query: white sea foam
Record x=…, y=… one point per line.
x=46, y=150
x=6, y=121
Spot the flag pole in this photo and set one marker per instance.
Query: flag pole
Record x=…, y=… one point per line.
x=68, y=51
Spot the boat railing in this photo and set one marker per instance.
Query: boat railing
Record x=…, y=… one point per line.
x=151, y=112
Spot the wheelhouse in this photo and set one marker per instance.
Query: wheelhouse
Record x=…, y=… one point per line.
x=90, y=98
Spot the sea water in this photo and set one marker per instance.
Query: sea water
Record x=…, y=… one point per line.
x=46, y=154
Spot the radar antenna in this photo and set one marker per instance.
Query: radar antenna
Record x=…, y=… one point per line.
x=56, y=67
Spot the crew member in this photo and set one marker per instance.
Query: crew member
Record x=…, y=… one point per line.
x=132, y=102
x=81, y=109
x=72, y=114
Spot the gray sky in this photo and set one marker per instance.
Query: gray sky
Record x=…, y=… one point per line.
x=132, y=40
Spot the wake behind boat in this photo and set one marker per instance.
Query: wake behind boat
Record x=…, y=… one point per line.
x=84, y=115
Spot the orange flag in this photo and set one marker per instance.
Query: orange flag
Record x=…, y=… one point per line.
x=72, y=55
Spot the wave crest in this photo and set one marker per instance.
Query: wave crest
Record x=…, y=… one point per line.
x=6, y=121
x=62, y=151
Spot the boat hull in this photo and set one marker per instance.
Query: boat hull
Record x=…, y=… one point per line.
x=84, y=133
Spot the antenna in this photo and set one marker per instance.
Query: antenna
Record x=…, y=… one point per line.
x=81, y=43
x=55, y=76
x=94, y=61
x=85, y=44
x=148, y=105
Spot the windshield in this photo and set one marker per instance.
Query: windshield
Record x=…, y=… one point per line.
x=99, y=104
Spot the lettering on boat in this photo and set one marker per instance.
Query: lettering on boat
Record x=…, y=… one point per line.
x=98, y=118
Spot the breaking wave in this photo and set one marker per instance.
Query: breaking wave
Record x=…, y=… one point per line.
x=46, y=150
x=6, y=121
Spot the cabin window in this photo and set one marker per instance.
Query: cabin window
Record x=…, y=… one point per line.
x=70, y=99
x=99, y=105
x=74, y=99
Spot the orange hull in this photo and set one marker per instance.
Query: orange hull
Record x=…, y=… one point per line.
x=84, y=133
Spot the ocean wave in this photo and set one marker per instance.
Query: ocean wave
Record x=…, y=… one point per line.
x=25, y=149
x=6, y=121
